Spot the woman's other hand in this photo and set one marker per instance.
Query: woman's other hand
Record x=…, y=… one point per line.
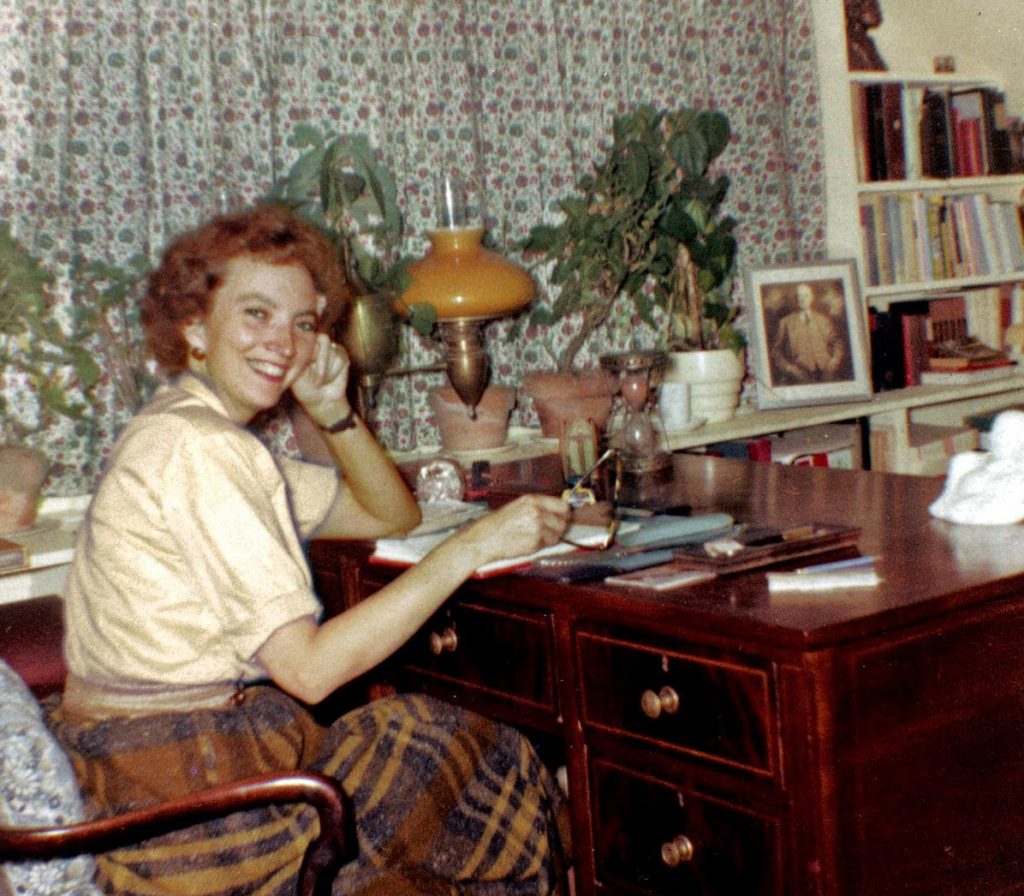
x=520, y=527
x=322, y=389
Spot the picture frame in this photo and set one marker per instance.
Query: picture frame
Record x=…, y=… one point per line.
x=808, y=334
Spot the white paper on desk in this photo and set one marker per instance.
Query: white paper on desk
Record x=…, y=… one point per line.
x=823, y=581
x=413, y=548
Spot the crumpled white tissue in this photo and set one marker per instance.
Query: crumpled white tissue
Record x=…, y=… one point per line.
x=987, y=488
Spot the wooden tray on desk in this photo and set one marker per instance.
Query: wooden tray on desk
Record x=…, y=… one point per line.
x=788, y=543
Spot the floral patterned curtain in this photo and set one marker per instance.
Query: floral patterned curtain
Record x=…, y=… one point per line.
x=123, y=122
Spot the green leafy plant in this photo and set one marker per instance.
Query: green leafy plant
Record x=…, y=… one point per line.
x=645, y=222
x=34, y=346
x=59, y=352
x=338, y=183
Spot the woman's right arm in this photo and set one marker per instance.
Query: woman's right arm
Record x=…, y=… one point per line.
x=310, y=661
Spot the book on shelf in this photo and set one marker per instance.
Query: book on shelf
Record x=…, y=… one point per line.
x=946, y=320
x=886, y=351
x=965, y=353
x=879, y=109
x=970, y=375
x=969, y=133
x=912, y=108
x=955, y=363
x=981, y=125
x=935, y=135
x=1000, y=153
x=913, y=321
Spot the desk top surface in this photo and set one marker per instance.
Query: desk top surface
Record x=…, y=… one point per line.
x=928, y=567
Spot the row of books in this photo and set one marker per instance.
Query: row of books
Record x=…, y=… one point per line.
x=904, y=132
x=933, y=341
x=911, y=237
x=836, y=445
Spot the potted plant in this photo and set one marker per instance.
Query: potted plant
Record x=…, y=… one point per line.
x=339, y=184
x=644, y=225
x=39, y=362
x=53, y=356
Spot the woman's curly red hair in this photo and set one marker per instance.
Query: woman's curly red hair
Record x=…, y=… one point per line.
x=192, y=268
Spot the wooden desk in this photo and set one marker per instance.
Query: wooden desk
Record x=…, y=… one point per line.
x=857, y=743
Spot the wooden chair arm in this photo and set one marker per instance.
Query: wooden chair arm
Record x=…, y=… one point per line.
x=334, y=844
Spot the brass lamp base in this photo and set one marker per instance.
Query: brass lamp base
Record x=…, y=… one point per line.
x=466, y=359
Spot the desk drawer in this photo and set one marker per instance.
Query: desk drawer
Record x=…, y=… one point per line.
x=504, y=652
x=652, y=838
x=718, y=709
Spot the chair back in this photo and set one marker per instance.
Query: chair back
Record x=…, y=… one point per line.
x=31, y=642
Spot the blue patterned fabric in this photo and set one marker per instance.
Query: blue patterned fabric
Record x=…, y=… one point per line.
x=37, y=787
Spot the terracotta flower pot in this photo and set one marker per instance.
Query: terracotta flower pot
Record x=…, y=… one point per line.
x=22, y=471
x=560, y=398
x=459, y=431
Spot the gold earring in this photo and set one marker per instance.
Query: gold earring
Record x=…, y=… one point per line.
x=197, y=353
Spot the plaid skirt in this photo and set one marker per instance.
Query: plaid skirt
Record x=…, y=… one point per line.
x=446, y=801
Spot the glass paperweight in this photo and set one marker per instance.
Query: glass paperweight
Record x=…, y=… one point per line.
x=440, y=480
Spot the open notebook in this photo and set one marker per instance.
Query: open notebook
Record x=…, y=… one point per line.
x=413, y=548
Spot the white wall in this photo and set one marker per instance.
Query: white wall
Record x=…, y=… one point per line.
x=985, y=36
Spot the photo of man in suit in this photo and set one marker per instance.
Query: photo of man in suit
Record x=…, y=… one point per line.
x=810, y=343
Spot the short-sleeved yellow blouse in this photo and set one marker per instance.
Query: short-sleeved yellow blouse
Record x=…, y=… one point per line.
x=190, y=555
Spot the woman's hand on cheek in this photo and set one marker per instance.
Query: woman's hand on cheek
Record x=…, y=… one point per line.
x=520, y=527
x=322, y=388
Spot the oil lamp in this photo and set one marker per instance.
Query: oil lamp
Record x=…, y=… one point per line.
x=467, y=285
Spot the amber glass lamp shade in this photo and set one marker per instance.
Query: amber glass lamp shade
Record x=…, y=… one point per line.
x=462, y=279
x=466, y=284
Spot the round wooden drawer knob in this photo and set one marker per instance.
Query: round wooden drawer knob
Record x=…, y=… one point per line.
x=446, y=641
x=677, y=851
x=664, y=701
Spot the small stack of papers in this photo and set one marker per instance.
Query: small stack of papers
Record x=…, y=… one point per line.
x=857, y=572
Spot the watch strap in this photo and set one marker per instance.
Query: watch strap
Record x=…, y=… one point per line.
x=346, y=422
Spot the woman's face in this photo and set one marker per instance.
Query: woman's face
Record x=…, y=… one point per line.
x=259, y=334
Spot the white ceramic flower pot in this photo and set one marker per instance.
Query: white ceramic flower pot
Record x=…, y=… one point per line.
x=715, y=378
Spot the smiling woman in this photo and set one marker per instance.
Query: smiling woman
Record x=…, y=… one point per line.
x=192, y=639
x=259, y=336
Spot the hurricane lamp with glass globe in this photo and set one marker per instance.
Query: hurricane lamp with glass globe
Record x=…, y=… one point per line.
x=467, y=285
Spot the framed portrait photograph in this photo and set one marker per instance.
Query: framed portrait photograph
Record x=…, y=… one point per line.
x=808, y=334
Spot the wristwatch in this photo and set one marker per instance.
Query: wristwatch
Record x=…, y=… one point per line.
x=346, y=422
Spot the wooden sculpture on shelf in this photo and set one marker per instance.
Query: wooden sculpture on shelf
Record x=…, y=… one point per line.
x=861, y=53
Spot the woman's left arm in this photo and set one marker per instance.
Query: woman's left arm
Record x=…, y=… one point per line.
x=373, y=499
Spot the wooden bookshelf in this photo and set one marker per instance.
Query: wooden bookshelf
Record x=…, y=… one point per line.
x=892, y=408
x=842, y=144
